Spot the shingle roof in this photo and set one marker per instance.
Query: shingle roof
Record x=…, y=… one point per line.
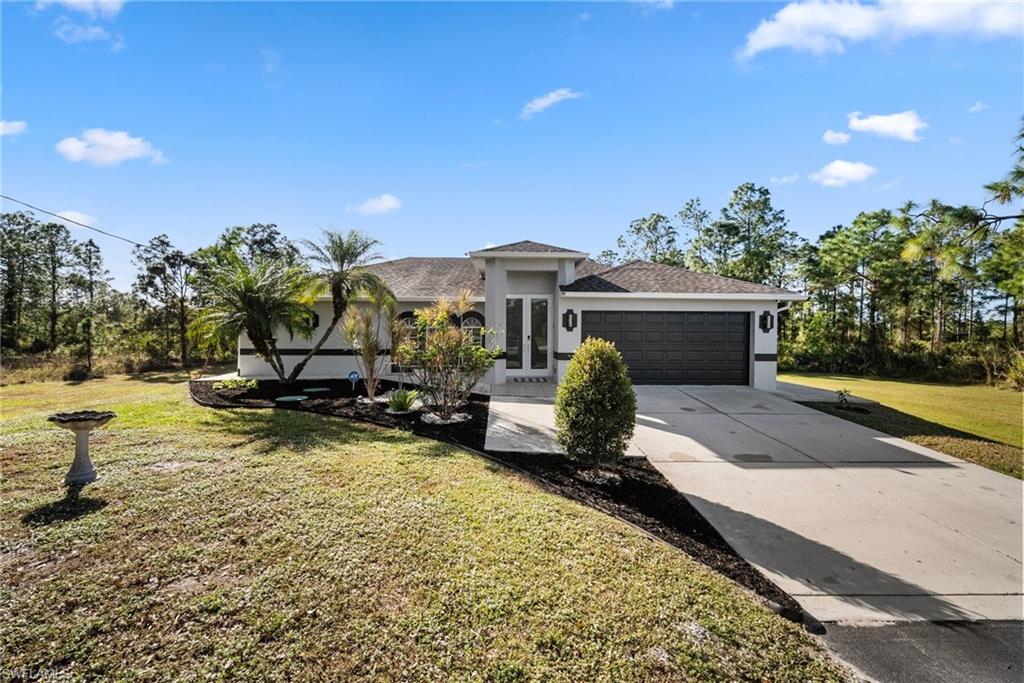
x=646, y=277
x=589, y=267
x=430, y=277
x=527, y=246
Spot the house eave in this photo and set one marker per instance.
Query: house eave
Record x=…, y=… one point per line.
x=411, y=299
x=704, y=296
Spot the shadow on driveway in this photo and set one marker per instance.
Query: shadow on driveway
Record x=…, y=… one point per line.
x=824, y=570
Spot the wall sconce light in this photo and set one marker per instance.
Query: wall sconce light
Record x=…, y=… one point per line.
x=766, y=322
x=569, y=320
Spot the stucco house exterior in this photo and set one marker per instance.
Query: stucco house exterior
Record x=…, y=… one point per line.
x=672, y=325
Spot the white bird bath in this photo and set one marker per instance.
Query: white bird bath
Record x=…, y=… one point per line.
x=81, y=423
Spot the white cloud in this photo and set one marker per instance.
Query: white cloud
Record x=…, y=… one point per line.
x=70, y=32
x=835, y=137
x=785, y=179
x=539, y=104
x=821, y=26
x=978, y=106
x=839, y=173
x=107, y=9
x=656, y=4
x=385, y=203
x=12, y=128
x=77, y=216
x=583, y=16
x=904, y=125
x=102, y=147
x=955, y=140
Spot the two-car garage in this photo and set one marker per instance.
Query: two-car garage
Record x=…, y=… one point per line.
x=677, y=347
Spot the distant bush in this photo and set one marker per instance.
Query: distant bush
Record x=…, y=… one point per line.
x=63, y=364
x=77, y=373
x=595, y=407
x=1014, y=373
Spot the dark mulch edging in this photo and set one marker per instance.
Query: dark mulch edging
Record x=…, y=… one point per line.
x=341, y=401
x=638, y=494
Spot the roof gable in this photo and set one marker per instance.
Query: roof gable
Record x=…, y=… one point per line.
x=528, y=247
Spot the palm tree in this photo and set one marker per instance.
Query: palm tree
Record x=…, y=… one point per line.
x=341, y=258
x=257, y=299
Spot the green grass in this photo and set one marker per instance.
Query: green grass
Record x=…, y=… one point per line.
x=970, y=421
x=276, y=545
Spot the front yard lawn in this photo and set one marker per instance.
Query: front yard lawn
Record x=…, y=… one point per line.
x=284, y=545
x=974, y=422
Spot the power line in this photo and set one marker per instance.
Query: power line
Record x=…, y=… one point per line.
x=70, y=220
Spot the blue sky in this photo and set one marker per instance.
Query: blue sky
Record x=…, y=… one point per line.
x=204, y=116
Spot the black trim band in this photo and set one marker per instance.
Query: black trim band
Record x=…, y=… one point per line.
x=563, y=355
x=303, y=352
x=766, y=356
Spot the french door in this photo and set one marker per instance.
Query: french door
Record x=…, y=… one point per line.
x=527, y=335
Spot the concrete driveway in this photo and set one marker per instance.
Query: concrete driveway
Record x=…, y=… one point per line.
x=857, y=525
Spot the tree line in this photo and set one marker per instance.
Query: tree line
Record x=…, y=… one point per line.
x=59, y=309
x=932, y=289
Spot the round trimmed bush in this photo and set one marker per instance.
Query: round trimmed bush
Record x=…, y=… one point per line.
x=595, y=407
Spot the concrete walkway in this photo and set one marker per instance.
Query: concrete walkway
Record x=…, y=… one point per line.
x=859, y=526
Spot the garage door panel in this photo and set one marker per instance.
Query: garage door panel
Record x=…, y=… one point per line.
x=693, y=347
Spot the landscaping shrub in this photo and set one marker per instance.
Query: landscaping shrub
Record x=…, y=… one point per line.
x=363, y=328
x=236, y=383
x=595, y=407
x=446, y=360
x=401, y=400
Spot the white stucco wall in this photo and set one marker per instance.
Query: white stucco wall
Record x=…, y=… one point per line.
x=505, y=276
x=320, y=366
x=762, y=375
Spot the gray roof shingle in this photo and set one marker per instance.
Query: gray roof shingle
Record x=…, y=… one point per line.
x=527, y=246
x=657, y=278
x=430, y=277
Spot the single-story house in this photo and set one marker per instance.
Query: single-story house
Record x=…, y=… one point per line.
x=672, y=325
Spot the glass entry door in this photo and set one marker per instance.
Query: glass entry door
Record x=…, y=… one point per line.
x=527, y=335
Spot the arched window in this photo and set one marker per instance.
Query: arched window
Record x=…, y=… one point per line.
x=406, y=319
x=473, y=323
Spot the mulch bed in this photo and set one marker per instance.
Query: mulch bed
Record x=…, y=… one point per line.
x=341, y=401
x=635, y=492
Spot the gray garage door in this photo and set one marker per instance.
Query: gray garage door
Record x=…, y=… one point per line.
x=677, y=348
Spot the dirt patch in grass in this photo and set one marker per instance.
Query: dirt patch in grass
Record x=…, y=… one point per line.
x=635, y=492
x=995, y=456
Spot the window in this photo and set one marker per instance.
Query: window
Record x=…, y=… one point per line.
x=474, y=327
x=406, y=319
